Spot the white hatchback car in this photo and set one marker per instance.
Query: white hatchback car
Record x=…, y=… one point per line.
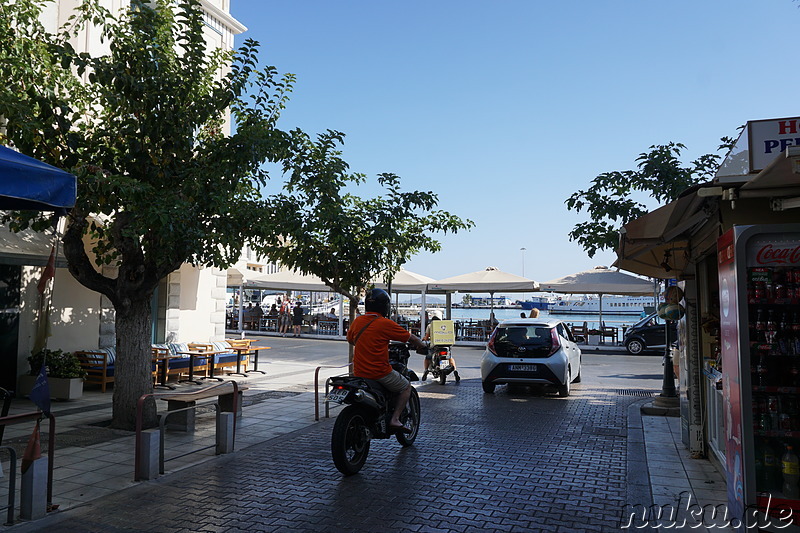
x=531, y=351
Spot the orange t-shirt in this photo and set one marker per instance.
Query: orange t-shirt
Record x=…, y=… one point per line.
x=371, y=354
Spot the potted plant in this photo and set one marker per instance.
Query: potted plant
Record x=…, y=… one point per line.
x=64, y=374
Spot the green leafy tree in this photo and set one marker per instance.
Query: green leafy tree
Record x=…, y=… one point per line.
x=345, y=240
x=159, y=183
x=659, y=175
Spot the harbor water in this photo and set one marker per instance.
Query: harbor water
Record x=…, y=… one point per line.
x=592, y=320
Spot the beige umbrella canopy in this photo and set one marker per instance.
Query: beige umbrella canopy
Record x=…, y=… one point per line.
x=290, y=281
x=405, y=280
x=599, y=280
x=490, y=280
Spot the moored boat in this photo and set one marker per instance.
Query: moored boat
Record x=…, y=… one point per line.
x=612, y=305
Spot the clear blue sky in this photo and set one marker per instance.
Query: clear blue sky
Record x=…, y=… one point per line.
x=505, y=108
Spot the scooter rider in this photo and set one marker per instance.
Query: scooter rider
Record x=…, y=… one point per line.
x=370, y=334
x=429, y=355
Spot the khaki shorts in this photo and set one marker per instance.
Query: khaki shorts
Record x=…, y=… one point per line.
x=394, y=381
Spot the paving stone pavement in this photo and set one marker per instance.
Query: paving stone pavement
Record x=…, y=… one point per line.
x=512, y=461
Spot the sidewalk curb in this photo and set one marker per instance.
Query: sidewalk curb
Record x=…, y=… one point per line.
x=53, y=518
x=638, y=476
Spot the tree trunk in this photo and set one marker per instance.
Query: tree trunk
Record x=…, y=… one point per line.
x=133, y=365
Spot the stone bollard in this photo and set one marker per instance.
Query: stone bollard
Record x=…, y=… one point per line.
x=149, y=447
x=33, y=491
x=184, y=420
x=226, y=403
x=225, y=421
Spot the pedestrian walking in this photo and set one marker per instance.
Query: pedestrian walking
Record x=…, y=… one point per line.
x=284, y=319
x=297, y=318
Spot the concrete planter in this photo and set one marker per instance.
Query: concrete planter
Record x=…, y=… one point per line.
x=593, y=340
x=60, y=388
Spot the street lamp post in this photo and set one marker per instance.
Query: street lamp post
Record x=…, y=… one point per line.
x=523, y=261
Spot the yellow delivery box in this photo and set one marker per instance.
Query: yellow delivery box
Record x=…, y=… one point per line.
x=443, y=333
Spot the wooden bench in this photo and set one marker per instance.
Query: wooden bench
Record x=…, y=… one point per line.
x=609, y=332
x=99, y=370
x=186, y=402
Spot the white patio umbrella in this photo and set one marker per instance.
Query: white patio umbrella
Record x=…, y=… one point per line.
x=289, y=281
x=490, y=280
x=406, y=281
x=599, y=280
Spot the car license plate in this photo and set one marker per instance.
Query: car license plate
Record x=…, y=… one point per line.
x=337, y=395
x=522, y=368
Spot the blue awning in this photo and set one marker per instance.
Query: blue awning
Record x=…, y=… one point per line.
x=27, y=183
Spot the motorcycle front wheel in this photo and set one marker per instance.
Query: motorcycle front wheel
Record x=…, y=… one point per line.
x=411, y=419
x=350, y=440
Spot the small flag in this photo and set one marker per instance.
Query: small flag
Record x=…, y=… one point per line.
x=33, y=450
x=49, y=271
x=40, y=393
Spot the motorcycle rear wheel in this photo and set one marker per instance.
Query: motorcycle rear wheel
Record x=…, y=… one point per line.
x=442, y=377
x=410, y=418
x=350, y=440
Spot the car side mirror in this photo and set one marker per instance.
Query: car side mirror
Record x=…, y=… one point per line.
x=580, y=338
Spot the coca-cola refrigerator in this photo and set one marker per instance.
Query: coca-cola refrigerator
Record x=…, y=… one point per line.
x=759, y=290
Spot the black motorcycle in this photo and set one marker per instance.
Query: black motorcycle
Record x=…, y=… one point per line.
x=440, y=366
x=369, y=412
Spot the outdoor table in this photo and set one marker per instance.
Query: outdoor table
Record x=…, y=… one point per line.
x=195, y=353
x=242, y=350
x=162, y=360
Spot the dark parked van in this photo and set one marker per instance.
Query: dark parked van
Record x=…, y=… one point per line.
x=649, y=334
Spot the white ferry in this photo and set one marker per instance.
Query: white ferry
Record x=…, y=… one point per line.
x=612, y=305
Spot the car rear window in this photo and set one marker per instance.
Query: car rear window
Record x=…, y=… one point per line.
x=523, y=341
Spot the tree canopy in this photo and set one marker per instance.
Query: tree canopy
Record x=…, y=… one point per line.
x=159, y=181
x=659, y=175
x=344, y=239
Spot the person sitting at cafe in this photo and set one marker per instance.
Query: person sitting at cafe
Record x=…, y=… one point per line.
x=273, y=311
x=332, y=314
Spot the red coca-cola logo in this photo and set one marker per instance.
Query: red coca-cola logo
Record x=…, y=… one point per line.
x=770, y=255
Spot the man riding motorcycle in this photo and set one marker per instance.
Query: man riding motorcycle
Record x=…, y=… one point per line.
x=429, y=357
x=370, y=334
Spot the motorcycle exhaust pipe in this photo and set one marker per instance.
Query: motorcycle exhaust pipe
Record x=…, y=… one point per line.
x=367, y=399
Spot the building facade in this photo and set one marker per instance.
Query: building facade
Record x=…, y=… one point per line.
x=189, y=305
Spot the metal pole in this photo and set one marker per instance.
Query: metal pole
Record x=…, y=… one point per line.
x=668, y=386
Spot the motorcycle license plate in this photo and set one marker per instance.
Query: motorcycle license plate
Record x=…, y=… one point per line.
x=522, y=368
x=337, y=395
x=443, y=363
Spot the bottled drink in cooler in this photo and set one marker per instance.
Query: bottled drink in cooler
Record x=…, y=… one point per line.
x=761, y=473
x=762, y=371
x=772, y=469
x=791, y=474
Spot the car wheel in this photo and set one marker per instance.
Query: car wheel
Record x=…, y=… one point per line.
x=488, y=388
x=563, y=390
x=634, y=346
